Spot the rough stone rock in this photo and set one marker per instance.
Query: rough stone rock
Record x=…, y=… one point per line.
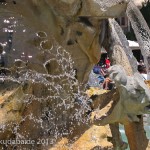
x=11, y=102
x=12, y=106
x=96, y=136
x=134, y=97
x=70, y=32
x=148, y=146
x=61, y=145
x=147, y=82
x=120, y=57
x=81, y=34
x=139, y=3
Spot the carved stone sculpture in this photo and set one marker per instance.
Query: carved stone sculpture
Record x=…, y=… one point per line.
x=66, y=31
x=134, y=97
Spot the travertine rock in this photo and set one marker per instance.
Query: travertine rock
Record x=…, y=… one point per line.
x=79, y=28
x=94, y=137
x=134, y=97
x=78, y=34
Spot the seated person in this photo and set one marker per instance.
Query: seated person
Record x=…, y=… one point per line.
x=99, y=70
x=96, y=69
x=107, y=84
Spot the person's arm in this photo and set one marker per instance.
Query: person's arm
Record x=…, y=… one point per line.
x=105, y=84
x=102, y=72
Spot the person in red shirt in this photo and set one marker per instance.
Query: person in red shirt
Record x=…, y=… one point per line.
x=107, y=62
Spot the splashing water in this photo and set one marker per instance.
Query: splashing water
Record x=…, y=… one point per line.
x=43, y=72
x=49, y=103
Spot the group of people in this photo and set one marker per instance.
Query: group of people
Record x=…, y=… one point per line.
x=103, y=76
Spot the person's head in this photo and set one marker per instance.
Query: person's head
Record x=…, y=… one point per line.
x=106, y=75
x=142, y=69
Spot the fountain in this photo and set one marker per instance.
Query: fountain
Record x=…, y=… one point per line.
x=48, y=49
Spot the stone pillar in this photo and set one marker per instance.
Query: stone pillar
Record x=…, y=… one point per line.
x=136, y=135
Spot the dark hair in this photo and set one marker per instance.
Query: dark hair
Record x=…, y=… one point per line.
x=141, y=68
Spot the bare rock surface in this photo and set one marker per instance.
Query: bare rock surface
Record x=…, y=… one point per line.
x=95, y=137
x=64, y=37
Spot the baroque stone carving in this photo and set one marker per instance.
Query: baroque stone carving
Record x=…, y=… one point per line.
x=79, y=27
